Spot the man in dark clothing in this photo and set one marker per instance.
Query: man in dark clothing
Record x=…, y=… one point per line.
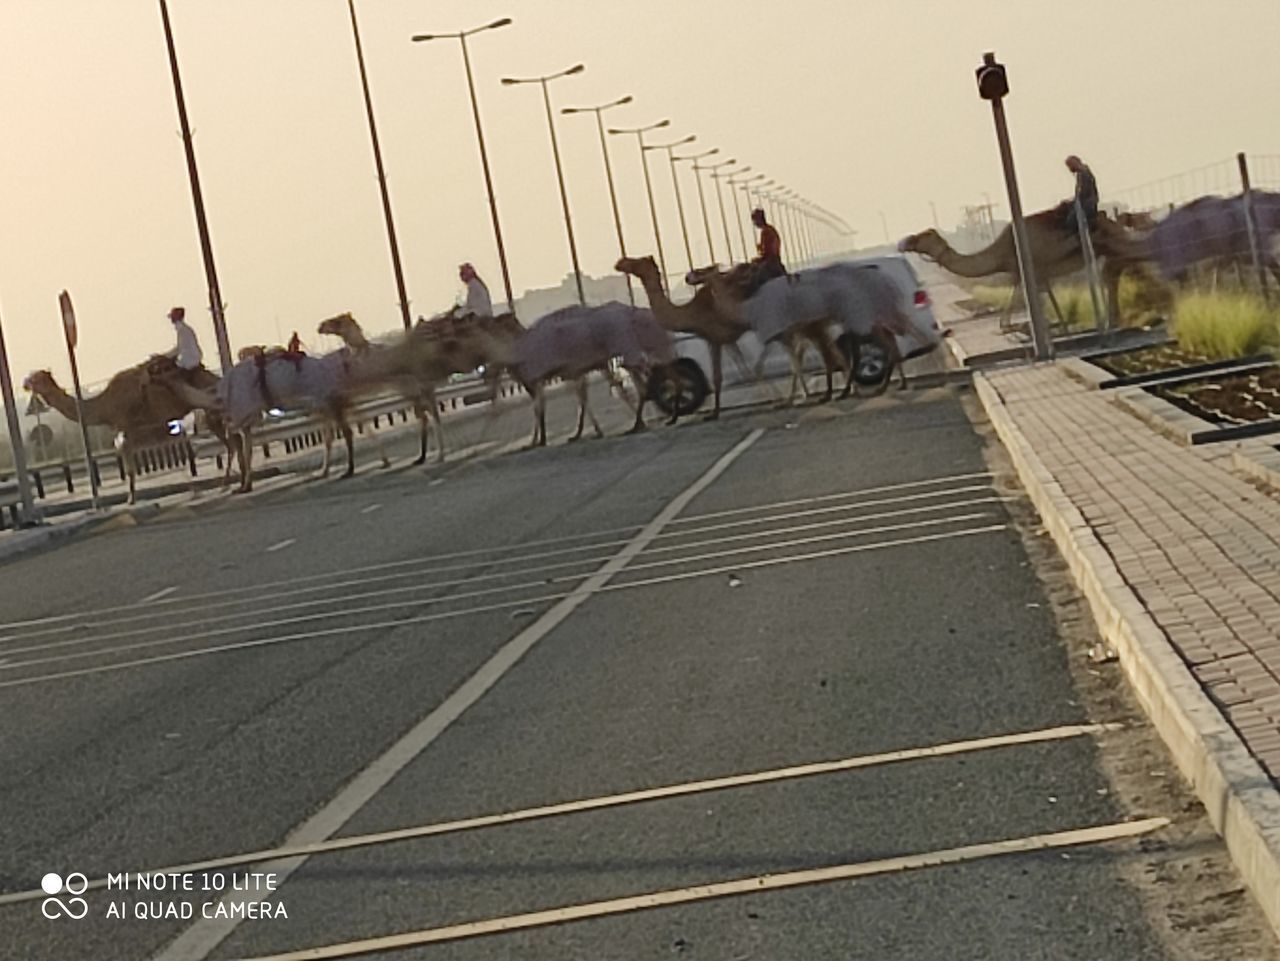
x=1086, y=193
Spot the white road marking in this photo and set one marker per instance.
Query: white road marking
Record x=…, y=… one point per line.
x=682, y=789
x=453, y=597
x=165, y=592
x=203, y=937
x=371, y=508
x=349, y=630
x=332, y=598
x=281, y=545
x=723, y=889
x=839, y=495
x=272, y=587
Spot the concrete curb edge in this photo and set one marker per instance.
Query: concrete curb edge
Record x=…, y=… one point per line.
x=1241, y=802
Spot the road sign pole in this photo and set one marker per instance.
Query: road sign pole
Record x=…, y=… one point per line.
x=70, y=335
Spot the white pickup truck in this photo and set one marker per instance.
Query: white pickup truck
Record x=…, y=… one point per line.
x=873, y=363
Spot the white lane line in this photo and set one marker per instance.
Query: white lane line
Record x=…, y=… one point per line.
x=453, y=597
x=349, y=630
x=281, y=545
x=839, y=495
x=346, y=599
x=371, y=508
x=681, y=789
x=723, y=889
x=273, y=586
x=165, y=592
x=203, y=937
x=329, y=589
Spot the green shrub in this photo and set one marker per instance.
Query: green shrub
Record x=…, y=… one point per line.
x=1225, y=324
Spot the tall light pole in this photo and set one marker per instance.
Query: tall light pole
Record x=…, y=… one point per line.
x=15, y=437
x=648, y=184
x=197, y=198
x=794, y=217
x=737, y=209
x=993, y=85
x=675, y=185
x=461, y=37
x=608, y=174
x=724, y=220
x=555, y=153
x=702, y=198
x=382, y=174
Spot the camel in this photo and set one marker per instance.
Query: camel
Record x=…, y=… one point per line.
x=859, y=299
x=1055, y=253
x=572, y=342
x=706, y=317
x=263, y=379
x=414, y=363
x=138, y=403
x=701, y=316
x=1212, y=229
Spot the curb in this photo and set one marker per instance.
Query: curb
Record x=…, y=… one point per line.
x=1241, y=802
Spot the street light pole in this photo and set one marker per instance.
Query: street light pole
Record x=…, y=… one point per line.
x=608, y=174
x=461, y=37
x=555, y=153
x=737, y=208
x=702, y=199
x=648, y=186
x=197, y=198
x=15, y=436
x=382, y=174
x=724, y=220
x=675, y=185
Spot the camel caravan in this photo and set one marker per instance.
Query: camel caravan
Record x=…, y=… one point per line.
x=1207, y=231
x=569, y=344
x=840, y=309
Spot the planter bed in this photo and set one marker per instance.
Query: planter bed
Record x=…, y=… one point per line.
x=1242, y=403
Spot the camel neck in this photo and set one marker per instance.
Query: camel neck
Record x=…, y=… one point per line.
x=65, y=404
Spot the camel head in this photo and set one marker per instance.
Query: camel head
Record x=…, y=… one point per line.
x=928, y=243
x=339, y=325
x=700, y=275
x=641, y=267
x=40, y=383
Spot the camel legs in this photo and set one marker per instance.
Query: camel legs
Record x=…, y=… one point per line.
x=246, y=460
x=1056, y=309
x=540, y=416
x=345, y=429
x=640, y=382
x=717, y=379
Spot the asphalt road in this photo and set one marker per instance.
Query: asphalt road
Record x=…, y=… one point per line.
x=565, y=627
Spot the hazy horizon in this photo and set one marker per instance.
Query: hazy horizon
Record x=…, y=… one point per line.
x=864, y=108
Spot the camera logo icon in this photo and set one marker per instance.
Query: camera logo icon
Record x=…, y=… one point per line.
x=73, y=907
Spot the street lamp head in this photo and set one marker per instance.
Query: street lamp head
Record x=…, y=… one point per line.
x=419, y=37
x=576, y=68
x=621, y=100
x=510, y=81
x=689, y=139
x=504, y=22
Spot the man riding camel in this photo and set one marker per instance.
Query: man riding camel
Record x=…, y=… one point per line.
x=478, y=303
x=1086, y=194
x=186, y=352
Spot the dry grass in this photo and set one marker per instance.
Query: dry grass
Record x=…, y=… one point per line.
x=1225, y=324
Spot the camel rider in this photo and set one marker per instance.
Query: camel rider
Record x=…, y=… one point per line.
x=186, y=353
x=1086, y=193
x=478, y=303
x=768, y=248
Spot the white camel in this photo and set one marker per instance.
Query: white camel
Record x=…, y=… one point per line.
x=572, y=342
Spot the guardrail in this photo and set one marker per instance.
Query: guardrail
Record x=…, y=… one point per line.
x=294, y=433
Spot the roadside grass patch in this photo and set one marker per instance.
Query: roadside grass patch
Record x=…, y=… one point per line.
x=1225, y=324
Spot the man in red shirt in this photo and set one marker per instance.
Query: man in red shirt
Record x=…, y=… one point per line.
x=769, y=248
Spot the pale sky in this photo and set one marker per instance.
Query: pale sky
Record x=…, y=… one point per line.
x=862, y=105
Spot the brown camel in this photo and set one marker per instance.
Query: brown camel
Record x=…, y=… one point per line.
x=1055, y=253
x=138, y=403
x=706, y=317
x=416, y=362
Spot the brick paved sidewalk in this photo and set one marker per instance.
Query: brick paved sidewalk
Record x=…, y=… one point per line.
x=1198, y=545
